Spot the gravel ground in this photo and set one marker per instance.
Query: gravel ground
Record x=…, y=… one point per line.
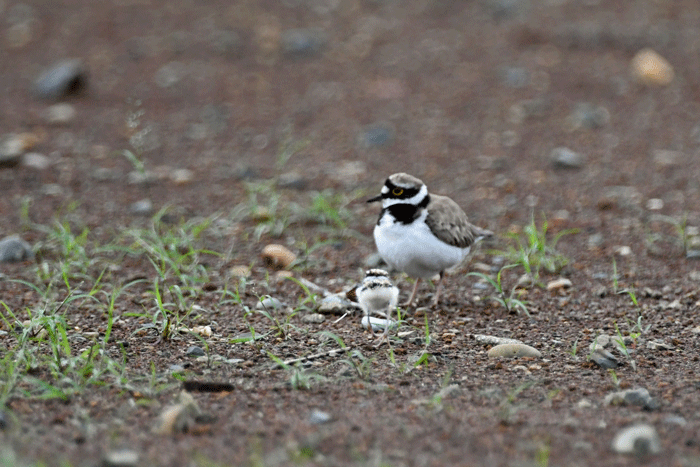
x=274, y=122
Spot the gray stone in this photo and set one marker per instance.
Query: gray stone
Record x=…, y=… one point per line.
x=59, y=114
x=638, y=396
x=334, y=305
x=313, y=318
x=195, y=351
x=62, y=79
x=565, y=158
x=640, y=440
x=36, y=160
x=589, y=116
x=319, y=417
x=268, y=303
x=121, y=458
x=603, y=358
x=302, y=42
x=377, y=135
x=142, y=207
x=515, y=77
x=169, y=74
x=13, y=249
x=495, y=340
x=11, y=149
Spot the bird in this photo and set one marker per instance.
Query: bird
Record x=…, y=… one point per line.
x=420, y=233
x=375, y=294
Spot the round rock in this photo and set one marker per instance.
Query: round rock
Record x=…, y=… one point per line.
x=640, y=440
x=62, y=79
x=14, y=249
x=513, y=351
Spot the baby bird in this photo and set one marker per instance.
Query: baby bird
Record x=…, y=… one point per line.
x=377, y=294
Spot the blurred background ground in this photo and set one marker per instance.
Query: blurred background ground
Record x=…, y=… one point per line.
x=513, y=108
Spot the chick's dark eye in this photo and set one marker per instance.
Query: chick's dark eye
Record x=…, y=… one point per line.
x=397, y=191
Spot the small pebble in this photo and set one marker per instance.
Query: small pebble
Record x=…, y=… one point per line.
x=558, y=284
x=638, y=396
x=36, y=161
x=142, y=207
x=655, y=204
x=195, y=351
x=604, y=359
x=650, y=68
x=302, y=42
x=178, y=418
x=377, y=135
x=565, y=158
x=319, y=417
x=334, y=305
x=278, y=256
x=181, y=176
x=313, y=318
x=63, y=79
x=640, y=440
x=121, y=458
x=14, y=249
x=239, y=271
x=269, y=303
x=60, y=114
x=495, y=340
x=513, y=350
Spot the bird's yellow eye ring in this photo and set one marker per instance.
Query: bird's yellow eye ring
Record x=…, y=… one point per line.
x=397, y=191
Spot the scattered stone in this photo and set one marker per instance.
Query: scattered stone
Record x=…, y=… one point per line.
x=293, y=180
x=278, y=256
x=639, y=397
x=515, y=77
x=377, y=324
x=675, y=420
x=589, y=116
x=513, y=350
x=650, y=68
x=204, y=331
x=121, y=458
x=692, y=254
x=269, y=303
x=335, y=305
x=63, y=79
x=313, y=318
x=178, y=418
x=60, y=114
x=195, y=351
x=14, y=249
x=142, y=207
x=667, y=158
x=603, y=358
x=35, y=160
x=655, y=204
x=377, y=135
x=181, y=176
x=559, y=284
x=239, y=271
x=623, y=250
x=169, y=74
x=299, y=43
x=495, y=340
x=319, y=417
x=565, y=158
x=11, y=149
x=640, y=440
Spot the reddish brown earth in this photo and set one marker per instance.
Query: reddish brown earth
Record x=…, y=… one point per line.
x=472, y=96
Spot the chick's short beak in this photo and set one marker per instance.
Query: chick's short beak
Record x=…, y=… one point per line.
x=375, y=199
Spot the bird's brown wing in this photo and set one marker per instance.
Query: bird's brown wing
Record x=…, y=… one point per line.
x=450, y=224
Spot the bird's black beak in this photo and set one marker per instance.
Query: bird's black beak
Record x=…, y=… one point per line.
x=375, y=199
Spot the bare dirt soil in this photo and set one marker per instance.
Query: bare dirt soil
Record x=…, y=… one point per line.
x=278, y=119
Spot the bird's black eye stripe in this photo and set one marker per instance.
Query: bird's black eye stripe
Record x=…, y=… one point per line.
x=398, y=192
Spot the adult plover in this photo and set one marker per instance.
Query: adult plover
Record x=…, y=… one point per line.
x=419, y=233
x=377, y=294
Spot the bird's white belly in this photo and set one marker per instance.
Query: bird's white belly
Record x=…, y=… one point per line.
x=413, y=249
